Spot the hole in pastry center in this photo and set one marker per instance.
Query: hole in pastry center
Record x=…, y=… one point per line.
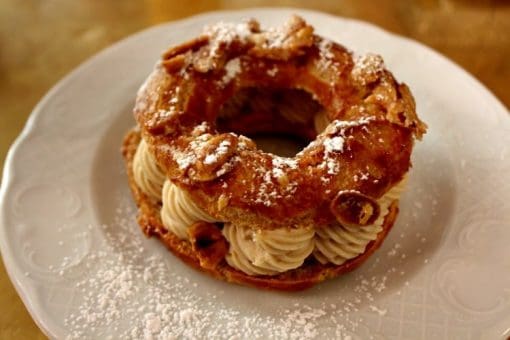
x=280, y=121
x=281, y=145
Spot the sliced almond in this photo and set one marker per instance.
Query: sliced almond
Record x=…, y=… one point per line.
x=191, y=45
x=222, y=202
x=353, y=208
x=175, y=63
x=213, y=158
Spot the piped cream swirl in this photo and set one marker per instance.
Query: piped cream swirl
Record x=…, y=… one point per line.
x=267, y=252
x=179, y=211
x=337, y=243
x=147, y=174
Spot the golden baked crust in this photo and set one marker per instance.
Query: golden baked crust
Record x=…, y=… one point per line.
x=373, y=122
x=309, y=274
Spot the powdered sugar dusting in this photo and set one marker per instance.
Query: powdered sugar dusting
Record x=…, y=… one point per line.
x=184, y=160
x=337, y=126
x=224, y=33
x=368, y=62
x=222, y=149
x=276, y=37
x=162, y=115
x=326, y=62
x=232, y=68
x=325, y=49
x=275, y=184
x=266, y=193
x=282, y=162
x=335, y=144
x=367, y=67
x=133, y=291
x=189, y=156
x=200, y=128
x=228, y=31
x=278, y=172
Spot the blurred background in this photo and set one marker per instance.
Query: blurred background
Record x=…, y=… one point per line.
x=42, y=40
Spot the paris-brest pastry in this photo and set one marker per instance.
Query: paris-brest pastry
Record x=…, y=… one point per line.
x=247, y=216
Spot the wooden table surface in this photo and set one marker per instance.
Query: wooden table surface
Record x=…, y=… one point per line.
x=41, y=41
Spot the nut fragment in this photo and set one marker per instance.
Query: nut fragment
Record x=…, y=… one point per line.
x=175, y=63
x=191, y=45
x=213, y=158
x=222, y=202
x=208, y=243
x=289, y=41
x=353, y=208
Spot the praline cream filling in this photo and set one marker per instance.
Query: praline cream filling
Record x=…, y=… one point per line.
x=146, y=172
x=179, y=211
x=267, y=252
x=337, y=243
x=258, y=251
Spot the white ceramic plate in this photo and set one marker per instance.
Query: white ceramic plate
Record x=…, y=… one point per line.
x=73, y=250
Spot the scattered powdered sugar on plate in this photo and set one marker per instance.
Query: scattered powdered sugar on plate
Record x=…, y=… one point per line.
x=130, y=292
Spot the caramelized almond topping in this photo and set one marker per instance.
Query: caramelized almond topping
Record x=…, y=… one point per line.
x=352, y=208
x=213, y=159
x=174, y=64
x=191, y=45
